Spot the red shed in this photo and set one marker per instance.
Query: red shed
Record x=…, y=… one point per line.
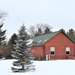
x=52, y=46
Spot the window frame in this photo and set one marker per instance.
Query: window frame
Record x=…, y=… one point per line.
x=68, y=49
x=52, y=50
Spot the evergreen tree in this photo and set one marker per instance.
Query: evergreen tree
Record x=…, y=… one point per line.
x=2, y=32
x=2, y=38
x=2, y=35
x=71, y=34
x=47, y=30
x=21, y=53
x=10, y=48
x=12, y=39
x=39, y=32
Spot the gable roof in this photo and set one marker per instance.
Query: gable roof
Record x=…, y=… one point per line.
x=41, y=40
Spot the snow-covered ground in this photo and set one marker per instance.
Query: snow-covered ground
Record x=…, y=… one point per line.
x=53, y=67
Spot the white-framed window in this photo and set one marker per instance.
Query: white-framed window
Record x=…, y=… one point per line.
x=52, y=50
x=67, y=50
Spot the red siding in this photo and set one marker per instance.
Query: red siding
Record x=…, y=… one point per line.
x=60, y=42
x=38, y=52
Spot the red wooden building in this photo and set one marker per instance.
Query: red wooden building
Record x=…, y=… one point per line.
x=52, y=46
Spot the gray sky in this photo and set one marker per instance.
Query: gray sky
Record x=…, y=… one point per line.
x=57, y=13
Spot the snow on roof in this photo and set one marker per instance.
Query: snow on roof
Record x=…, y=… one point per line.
x=30, y=41
x=40, y=41
x=45, y=40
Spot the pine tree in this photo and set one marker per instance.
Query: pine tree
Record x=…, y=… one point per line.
x=71, y=34
x=8, y=51
x=2, y=35
x=22, y=54
x=39, y=32
x=47, y=30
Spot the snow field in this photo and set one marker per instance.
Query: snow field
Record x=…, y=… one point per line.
x=52, y=67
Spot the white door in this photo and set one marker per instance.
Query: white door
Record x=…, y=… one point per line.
x=47, y=57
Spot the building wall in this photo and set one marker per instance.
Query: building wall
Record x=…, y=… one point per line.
x=37, y=52
x=60, y=42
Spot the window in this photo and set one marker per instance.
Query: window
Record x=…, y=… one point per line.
x=52, y=50
x=67, y=50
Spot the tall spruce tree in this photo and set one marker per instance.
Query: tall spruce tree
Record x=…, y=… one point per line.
x=22, y=53
x=2, y=34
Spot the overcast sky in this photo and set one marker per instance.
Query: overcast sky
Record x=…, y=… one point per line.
x=57, y=13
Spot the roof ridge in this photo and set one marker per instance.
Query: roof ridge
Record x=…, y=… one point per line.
x=46, y=34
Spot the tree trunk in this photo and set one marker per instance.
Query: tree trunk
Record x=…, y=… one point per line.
x=23, y=67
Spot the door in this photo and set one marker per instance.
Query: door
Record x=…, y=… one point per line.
x=47, y=57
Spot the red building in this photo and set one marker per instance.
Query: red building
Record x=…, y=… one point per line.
x=52, y=46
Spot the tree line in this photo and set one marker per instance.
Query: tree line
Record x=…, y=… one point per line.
x=39, y=29
x=33, y=31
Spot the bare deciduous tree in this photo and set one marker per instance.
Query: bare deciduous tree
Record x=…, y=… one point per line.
x=32, y=31
x=39, y=29
x=43, y=27
x=3, y=14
